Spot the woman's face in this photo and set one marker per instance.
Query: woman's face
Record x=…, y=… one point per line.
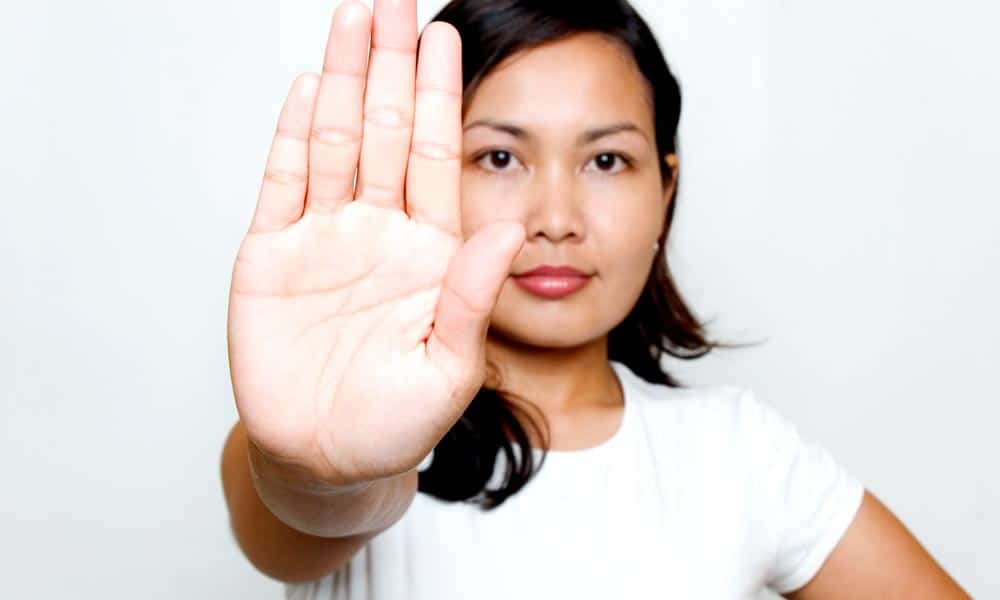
x=561, y=138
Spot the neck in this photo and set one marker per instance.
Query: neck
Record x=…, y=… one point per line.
x=560, y=381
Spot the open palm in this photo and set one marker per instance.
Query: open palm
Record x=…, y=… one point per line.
x=358, y=313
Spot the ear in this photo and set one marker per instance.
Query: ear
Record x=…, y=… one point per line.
x=672, y=162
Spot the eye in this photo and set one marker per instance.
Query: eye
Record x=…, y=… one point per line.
x=606, y=161
x=496, y=160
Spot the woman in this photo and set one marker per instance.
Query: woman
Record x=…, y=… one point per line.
x=493, y=282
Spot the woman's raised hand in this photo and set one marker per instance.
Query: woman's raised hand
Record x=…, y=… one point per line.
x=357, y=312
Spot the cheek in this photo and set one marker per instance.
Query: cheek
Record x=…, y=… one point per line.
x=626, y=269
x=628, y=230
x=627, y=263
x=626, y=251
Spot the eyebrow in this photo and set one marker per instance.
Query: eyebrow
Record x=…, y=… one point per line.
x=589, y=136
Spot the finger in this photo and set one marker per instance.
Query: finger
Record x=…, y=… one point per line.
x=388, y=121
x=283, y=190
x=335, y=143
x=469, y=294
x=434, y=172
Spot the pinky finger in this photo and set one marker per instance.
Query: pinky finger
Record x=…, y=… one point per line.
x=283, y=191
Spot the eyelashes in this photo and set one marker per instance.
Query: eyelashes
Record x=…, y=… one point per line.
x=489, y=154
x=624, y=160
x=507, y=158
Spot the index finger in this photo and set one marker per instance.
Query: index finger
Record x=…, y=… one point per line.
x=388, y=104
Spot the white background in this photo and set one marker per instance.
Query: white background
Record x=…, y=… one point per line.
x=839, y=200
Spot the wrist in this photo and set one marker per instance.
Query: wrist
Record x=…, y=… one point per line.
x=267, y=470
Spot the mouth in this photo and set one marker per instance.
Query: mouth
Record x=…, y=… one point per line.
x=552, y=271
x=552, y=287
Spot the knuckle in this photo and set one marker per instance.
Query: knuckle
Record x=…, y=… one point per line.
x=435, y=151
x=474, y=311
x=286, y=135
x=448, y=94
x=335, y=136
x=381, y=192
x=284, y=176
x=390, y=117
x=406, y=51
x=329, y=173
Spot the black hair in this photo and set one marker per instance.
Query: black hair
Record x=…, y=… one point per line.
x=659, y=322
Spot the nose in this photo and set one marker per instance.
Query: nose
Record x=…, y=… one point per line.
x=554, y=208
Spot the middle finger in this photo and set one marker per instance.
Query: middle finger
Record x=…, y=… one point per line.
x=389, y=100
x=335, y=142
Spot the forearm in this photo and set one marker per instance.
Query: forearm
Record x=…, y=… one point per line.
x=298, y=536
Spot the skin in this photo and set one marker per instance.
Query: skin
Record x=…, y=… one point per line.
x=598, y=205
x=603, y=218
x=552, y=352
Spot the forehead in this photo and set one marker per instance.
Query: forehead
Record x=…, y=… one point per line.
x=582, y=80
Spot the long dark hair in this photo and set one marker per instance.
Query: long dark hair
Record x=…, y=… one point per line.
x=660, y=322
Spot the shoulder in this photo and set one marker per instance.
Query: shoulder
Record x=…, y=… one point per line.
x=726, y=425
x=731, y=411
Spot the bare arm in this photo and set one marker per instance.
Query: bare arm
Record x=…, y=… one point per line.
x=287, y=553
x=879, y=558
x=316, y=312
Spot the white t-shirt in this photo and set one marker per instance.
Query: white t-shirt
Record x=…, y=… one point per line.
x=704, y=492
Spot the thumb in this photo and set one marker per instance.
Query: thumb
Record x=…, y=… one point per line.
x=470, y=291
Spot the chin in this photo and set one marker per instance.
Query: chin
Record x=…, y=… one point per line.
x=544, y=333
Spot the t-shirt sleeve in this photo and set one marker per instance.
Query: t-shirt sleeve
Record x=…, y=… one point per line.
x=810, y=498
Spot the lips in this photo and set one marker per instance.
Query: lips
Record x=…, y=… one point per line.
x=552, y=282
x=547, y=270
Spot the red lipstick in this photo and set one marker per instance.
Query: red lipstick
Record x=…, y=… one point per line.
x=552, y=282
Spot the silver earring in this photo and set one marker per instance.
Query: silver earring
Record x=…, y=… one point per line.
x=656, y=247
